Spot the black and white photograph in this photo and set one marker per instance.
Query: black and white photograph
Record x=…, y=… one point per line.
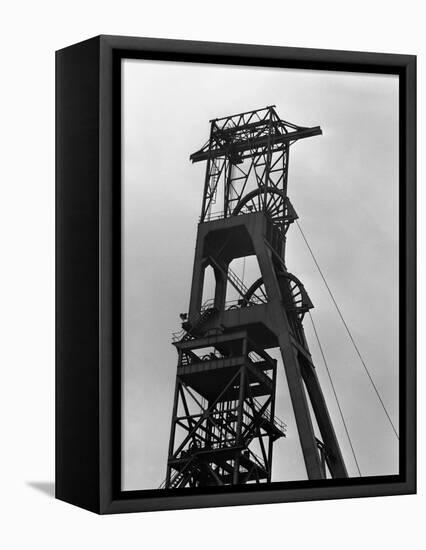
x=259, y=275
x=213, y=253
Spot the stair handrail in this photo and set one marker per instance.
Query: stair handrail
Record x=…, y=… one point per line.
x=177, y=473
x=206, y=307
x=280, y=424
x=233, y=278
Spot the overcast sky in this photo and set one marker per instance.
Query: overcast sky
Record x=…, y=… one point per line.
x=343, y=185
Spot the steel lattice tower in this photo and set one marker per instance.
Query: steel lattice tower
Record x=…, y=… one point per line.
x=223, y=420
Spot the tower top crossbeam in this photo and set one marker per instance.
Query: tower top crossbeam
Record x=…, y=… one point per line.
x=238, y=136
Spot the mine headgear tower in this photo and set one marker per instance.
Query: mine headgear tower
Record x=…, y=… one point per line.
x=223, y=421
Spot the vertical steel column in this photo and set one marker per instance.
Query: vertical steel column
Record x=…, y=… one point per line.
x=173, y=427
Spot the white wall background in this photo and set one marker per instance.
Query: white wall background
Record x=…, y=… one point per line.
x=30, y=32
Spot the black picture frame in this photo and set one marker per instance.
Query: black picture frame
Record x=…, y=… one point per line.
x=88, y=259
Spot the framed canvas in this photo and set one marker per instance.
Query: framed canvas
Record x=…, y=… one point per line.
x=275, y=361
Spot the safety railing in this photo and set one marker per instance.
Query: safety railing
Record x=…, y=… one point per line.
x=211, y=216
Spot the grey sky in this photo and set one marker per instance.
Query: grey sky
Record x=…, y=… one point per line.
x=343, y=185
